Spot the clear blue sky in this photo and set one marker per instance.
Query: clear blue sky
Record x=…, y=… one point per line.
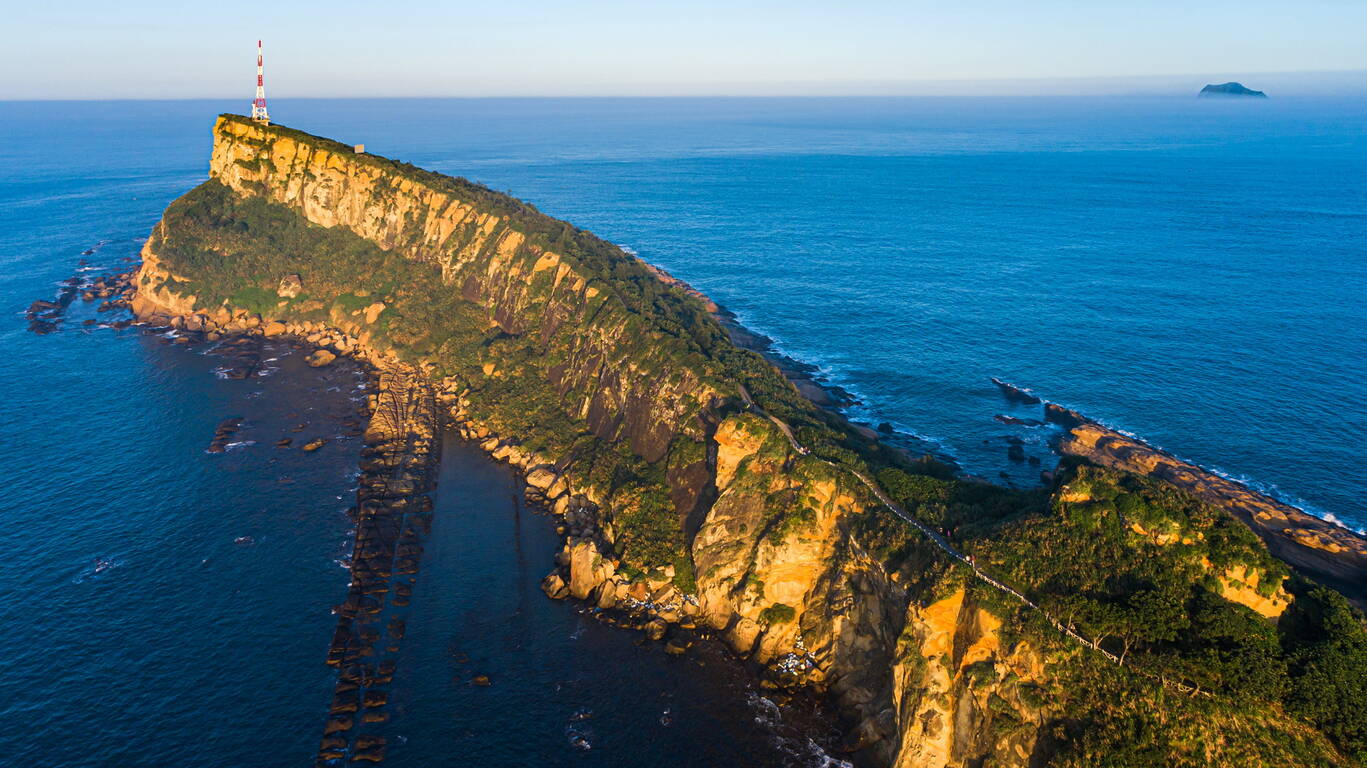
x=164, y=49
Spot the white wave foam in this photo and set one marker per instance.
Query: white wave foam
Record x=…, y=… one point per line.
x=101, y=566
x=836, y=375
x=801, y=748
x=819, y=758
x=766, y=711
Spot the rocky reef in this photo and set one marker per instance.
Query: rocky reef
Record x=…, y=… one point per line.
x=393, y=515
x=700, y=493
x=1330, y=553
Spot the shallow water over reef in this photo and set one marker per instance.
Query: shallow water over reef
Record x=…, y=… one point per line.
x=564, y=688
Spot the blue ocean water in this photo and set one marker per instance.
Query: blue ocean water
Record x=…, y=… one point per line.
x=1192, y=272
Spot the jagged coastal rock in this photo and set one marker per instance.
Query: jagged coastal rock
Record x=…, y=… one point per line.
x=1235, y=90
x=698, y=491
x=1332, y=553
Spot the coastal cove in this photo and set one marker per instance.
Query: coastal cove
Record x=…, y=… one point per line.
x=677, y=484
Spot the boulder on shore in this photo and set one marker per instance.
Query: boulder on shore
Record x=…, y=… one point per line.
x=541, y=478
x=554, y=586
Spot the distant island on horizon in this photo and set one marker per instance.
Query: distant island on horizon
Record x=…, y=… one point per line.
x=1230, y=89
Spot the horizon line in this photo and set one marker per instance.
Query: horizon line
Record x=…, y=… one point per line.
x=807, y=89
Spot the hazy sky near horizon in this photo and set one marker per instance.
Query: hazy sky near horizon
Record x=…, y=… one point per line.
x=161, y=49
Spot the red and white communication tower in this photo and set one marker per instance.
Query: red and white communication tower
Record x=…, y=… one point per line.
x=259, y=103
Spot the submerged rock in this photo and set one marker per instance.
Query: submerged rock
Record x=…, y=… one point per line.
x=1016, y=421
x=1016, y=394
x=655, y=629
x=224, y=434
x=320, y=358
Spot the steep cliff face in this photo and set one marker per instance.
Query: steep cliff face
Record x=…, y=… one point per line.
x=964, y=695
x=781, y=572
x=157, y=293
x=609, y=374
x=628, y=409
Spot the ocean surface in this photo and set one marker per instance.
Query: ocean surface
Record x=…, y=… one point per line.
x=1191, y=272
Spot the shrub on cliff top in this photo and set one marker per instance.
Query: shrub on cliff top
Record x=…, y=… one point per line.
x=648, y=532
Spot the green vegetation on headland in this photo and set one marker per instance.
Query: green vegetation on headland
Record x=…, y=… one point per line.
x=1146, y=571
x=1156, y=599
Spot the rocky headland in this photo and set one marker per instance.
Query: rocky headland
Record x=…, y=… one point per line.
x=700, y=492
x=1330, y=553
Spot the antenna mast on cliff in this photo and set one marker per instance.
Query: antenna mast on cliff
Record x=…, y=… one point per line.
x=259, y=103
